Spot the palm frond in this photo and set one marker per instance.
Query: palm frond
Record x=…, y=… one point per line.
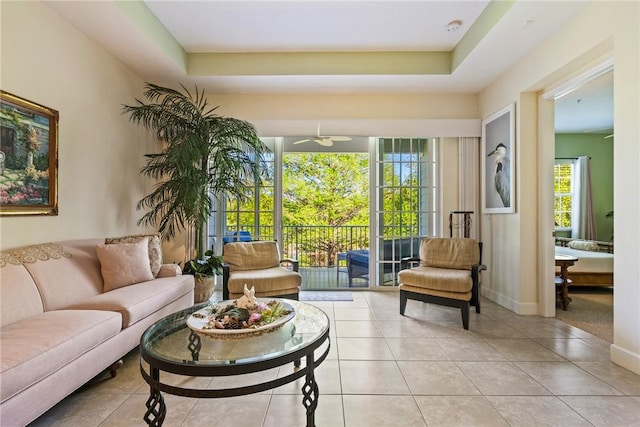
x=204, y=154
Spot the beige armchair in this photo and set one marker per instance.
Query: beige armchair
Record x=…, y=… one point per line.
x=258, y=264
x=448, y=274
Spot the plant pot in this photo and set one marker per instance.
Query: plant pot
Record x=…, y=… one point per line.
x=204, y=289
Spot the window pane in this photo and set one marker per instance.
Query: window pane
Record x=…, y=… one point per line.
x=563, y=188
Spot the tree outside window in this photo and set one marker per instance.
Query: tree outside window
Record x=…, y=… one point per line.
x=564, y=194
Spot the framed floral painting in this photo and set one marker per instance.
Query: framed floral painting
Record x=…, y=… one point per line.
x=28, y=157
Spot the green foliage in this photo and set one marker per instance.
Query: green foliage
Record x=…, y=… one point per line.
x=204, y=154
x=563, y=197
x=400, y=196
x=326, y=189
x=207, y=267
x=274, y=311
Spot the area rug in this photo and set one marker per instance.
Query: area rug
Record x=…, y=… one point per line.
x=591, y=310
x=325, y=296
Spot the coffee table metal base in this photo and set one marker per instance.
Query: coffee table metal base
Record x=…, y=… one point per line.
x=157, y=409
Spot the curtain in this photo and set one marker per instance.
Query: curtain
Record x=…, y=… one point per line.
x=583, y=221
x=469, y=180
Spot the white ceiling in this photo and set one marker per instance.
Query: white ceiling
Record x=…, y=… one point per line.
x=316, y=27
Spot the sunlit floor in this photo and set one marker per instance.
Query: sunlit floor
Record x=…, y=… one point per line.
x=332, y=278
x=387, y=370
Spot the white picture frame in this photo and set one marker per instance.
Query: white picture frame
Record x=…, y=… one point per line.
x=498, y=185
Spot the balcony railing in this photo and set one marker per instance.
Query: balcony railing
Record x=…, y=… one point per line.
x=316, y=245
x=319, y=246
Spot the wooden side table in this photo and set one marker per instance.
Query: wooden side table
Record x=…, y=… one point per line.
x=562, y=281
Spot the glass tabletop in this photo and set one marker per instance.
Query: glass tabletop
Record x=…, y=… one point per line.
x=171, y=341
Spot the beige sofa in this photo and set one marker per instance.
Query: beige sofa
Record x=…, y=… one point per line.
x=60, y=326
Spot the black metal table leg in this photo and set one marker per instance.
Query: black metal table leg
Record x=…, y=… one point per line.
x=195, y=343
x=310, y=392
x=156, y=408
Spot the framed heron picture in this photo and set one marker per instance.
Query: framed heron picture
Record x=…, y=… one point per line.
x=28, y=157
x=497, y=162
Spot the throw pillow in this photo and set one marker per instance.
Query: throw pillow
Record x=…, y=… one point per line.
x=584, y=245
x=155, y=248
x=123, y=264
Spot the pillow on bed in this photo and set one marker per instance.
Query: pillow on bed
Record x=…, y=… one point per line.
x=584, y=245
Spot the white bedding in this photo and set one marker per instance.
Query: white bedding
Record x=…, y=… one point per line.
x=588, y=262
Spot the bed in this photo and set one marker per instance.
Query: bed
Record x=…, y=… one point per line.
x=594, y=266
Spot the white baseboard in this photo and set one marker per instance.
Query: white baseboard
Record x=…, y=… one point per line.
x=513, y=305
x=625, y=358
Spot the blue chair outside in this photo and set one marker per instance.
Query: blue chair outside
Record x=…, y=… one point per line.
x=392, y=252
x=237, y=236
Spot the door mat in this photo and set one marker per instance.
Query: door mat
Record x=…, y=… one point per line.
x=325, y=296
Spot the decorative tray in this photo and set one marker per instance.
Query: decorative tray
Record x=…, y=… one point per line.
x=204, y=321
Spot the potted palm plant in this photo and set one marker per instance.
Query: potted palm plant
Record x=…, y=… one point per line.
x=204, y=157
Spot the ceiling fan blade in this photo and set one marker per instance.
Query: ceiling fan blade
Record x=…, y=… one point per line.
x=301, y=141
x=340, y=138
x=326, y=142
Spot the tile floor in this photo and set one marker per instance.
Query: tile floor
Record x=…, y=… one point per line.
x=386, y=370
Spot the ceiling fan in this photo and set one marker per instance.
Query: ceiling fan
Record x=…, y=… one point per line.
x=326, y=141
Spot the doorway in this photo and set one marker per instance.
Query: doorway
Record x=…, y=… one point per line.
x=588, y=97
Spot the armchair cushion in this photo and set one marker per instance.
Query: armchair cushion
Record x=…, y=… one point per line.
x=456, y=253
x=257, y=264
x=439, y=279
x=460, y=296
x=268, y=282
x=251, y=255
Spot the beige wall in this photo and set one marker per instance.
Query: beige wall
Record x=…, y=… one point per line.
x=47, y=61
x=604, y=29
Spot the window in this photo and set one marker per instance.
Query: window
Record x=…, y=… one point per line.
x=407, y=200
x=254, y=215
x=564, y=194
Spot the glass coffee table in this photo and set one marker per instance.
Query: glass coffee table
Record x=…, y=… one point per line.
x=170, y=346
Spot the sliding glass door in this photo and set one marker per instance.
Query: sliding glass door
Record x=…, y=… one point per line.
x=374, y=196
x=405, y=200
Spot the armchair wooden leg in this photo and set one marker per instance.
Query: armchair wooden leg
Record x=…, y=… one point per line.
x=464, y=309
x=403, y=302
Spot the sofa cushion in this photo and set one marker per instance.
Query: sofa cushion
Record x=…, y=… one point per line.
x=20, y=297
x=154, y=250
x=135, y=302
x=251, y=255
x=123, y=264
x=80, y=267
x=35, y=347
x=268, y=281
x=457, y=253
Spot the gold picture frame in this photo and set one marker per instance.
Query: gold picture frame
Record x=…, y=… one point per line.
x=28, y=157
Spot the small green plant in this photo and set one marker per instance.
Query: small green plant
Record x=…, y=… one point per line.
x=202, y=268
